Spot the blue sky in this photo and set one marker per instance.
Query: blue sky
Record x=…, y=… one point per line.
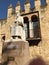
x=4, y=6
x=5, y=3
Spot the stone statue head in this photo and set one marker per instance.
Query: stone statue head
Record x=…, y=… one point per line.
x=17, y=13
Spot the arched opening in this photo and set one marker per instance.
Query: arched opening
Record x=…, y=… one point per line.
x=26, y=26
x=34, y=18
x=26, y=19
x=35, y=26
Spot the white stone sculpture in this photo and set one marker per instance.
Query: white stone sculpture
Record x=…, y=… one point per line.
x=19, y=25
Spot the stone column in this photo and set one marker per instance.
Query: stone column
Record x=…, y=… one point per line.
x=31, y=29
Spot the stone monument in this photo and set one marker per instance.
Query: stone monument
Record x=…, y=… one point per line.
x=17, y=49
x=18, y=27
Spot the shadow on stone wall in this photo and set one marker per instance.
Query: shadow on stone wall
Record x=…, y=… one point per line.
x=37, y=61
x=5, y=63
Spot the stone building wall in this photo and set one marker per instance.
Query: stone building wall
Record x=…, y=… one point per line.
x=2, y=33
x=42, y=49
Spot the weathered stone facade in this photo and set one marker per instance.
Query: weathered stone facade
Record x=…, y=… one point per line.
x=42, y=49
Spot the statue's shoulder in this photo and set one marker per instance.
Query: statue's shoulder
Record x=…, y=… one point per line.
x=20, y=18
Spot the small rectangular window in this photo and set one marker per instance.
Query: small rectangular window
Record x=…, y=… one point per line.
x=43, y=2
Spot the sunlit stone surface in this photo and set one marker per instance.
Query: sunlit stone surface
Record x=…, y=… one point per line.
x=18, y=50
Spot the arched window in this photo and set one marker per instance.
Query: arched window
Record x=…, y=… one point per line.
x=26, y=26
x=35, y=26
